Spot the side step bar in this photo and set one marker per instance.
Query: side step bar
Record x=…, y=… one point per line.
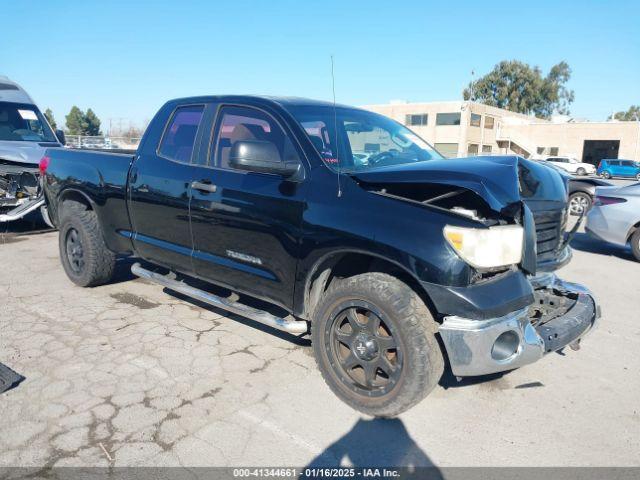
x=21, y=210
x=169, y=281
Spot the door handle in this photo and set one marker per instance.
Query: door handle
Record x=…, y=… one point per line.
x=203, y=187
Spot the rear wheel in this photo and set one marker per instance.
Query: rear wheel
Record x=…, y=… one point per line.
x=581, y=171
x=83, y=253
x=374, y=342
x=638, y=177
x=635, y=244
x=579, y=202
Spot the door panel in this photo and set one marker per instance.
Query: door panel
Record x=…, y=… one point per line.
x=246, y=232
x=159, y=209
x=159, y=189
x=246, y=228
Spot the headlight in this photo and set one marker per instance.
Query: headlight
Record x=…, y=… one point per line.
x=487, y=247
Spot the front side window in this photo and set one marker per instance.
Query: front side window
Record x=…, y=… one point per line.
x=364, y=139
x=180, y=135
x=244, y=124
x=21, y=122
x=448, y=118
x=475, y=120
x=417, y=119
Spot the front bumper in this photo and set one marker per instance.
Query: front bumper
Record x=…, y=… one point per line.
x=471, y=344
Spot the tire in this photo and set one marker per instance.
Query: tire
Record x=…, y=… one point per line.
x=635, y=244
x=404, y=344
x=581, y=171
x=638, y=177
x=606, y=175
x=578, y=202
x=44, y=213
x=86, y=260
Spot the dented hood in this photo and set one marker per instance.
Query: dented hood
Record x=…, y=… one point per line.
x=24, y=152
x=495, y=179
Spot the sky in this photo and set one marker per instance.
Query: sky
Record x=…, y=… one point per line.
x=124, y=59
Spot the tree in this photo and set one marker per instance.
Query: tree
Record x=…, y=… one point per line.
x=93, y=123
x=49, y=116
x=76, y=123
x=631, y=115
x=518, y=87
x=80, y=123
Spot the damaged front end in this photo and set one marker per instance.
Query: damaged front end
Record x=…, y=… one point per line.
x=20, y=190
x=561, y=315
x=513, y=315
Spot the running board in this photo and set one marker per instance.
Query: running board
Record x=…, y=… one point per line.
x=169, y=281
x=21, y=210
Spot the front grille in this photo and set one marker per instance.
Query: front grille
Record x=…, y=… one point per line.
x=550, y=226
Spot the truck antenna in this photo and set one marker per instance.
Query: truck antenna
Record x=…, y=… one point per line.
x=335, y=126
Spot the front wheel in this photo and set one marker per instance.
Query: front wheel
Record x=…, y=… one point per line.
x=374, y=343
x=581, y=171
x=635, y=244
x=606, y=175
x=638, y=177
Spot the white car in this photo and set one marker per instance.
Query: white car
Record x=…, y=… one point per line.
x=572, y=165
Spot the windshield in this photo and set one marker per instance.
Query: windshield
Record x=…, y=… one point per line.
x=21, y=122
x=365, y=139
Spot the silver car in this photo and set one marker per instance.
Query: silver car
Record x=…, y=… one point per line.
x=615, y=216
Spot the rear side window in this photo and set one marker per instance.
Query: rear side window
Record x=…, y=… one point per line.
x=243, y=124
x=180, y=134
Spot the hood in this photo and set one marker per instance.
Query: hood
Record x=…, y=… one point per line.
x=501, y=181
x=24, y=152
x=495, y=179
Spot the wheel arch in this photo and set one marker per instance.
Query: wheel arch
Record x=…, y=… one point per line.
x=633, y=230
x=72, y=194
x=350, y=262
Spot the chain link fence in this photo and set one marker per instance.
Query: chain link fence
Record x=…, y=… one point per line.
x=102, y=142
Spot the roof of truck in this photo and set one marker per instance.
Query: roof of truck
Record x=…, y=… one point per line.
x=284, y=101
x=10, y=91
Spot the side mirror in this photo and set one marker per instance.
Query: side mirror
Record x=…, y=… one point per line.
x=262, y=157
x=61, y=138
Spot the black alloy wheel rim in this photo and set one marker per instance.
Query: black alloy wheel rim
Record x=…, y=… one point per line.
x=363, y=349
x=75, y=253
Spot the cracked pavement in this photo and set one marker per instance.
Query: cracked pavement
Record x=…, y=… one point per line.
x=129, y=375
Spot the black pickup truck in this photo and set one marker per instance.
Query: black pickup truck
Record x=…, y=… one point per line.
x=347, y=223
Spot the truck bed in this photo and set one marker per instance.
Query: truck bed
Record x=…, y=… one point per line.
x=98, y=178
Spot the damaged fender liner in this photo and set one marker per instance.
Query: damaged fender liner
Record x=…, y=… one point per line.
x=492, y=298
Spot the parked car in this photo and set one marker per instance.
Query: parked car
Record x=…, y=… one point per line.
x=572, y=165
x=24, y=137
x=582, y=194
x=615, y=216
x=609, y=167
x=581, y=190
x=377, y=258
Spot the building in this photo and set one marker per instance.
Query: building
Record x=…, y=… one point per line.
x=460, y=129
